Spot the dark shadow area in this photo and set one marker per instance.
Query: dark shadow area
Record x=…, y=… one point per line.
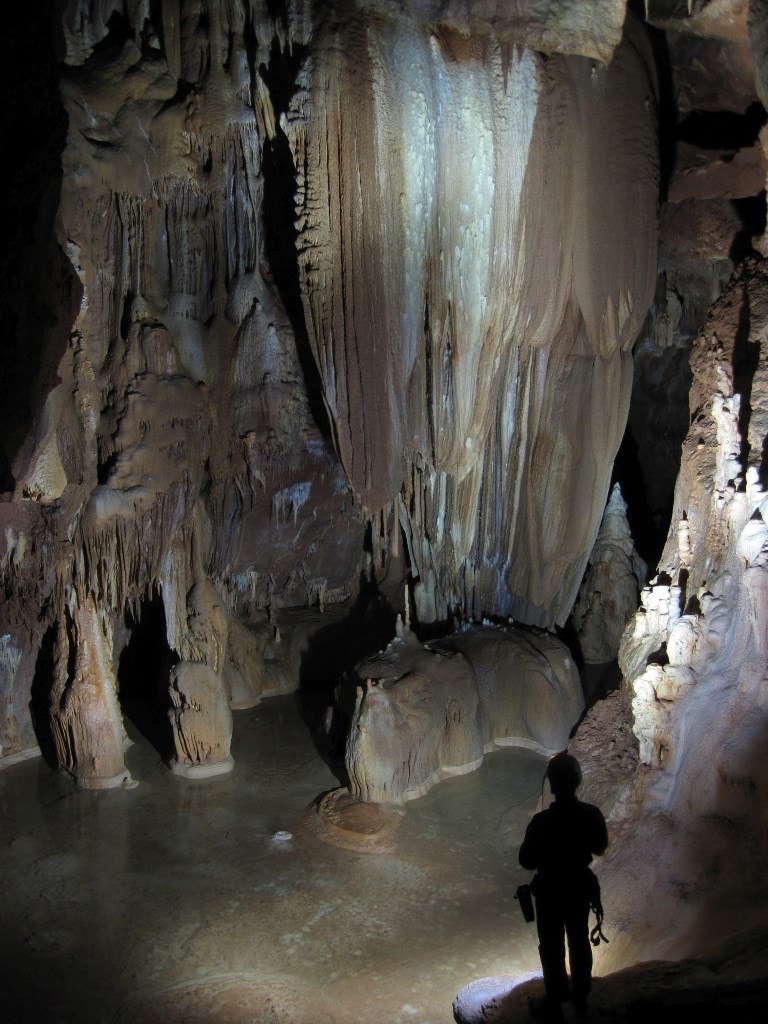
x=649, y=526
x=667, y=107
x=722, y=129
x=599, y=680
x=659, y=656
x=682, y=582
x=745, y=1001
x=751, y=213
x=648, y=461
x=40, y=699
x=40, y=293
x=119, y=32
x=142, y=675
x=279, y=212
x=327, y=676
x=745, y=361
x=567, y=634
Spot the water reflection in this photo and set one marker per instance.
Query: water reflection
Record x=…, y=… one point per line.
x=110, y=896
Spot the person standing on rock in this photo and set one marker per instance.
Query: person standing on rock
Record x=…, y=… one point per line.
x=559, y=845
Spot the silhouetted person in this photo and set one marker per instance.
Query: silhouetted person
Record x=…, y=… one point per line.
x=559, y=845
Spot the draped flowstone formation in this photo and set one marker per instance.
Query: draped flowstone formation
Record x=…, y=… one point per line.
x=434, y=710
x=478, y=393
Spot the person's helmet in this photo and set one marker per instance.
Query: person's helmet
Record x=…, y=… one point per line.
x=564, y=773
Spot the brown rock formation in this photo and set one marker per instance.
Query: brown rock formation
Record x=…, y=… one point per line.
x=87, y=725
x=177, y=441
x=201, y=719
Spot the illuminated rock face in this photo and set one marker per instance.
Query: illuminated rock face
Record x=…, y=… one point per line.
x=694, y=661
x=460, y=296
x=476, y=387
x=431, y=711
x=704, y=609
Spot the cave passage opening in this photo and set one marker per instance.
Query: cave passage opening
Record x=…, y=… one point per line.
x=280, y=76
x=327, y=671
x=142, y=673
x=38, y=280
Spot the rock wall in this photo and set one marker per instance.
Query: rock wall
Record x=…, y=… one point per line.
x=426, y=376
x=713, y=173
x=677, y=755
x=176, y=440
x=694, y=660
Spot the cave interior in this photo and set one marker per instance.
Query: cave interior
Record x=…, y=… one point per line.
x=383, y=408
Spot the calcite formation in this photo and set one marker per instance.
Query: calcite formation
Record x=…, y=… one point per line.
x=694, y=658
x=202, y=721
x=245, y=658
x=433, y=168
x=222, y=668
x=344, y=294
x=86, y=722
x=306, y=297
x=610, y=591
x=433, y=710
x=201, y=716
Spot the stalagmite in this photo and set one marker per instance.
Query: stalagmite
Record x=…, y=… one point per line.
x=427, y=712
x=86, y=722
x=201, y=715
x=609, y=594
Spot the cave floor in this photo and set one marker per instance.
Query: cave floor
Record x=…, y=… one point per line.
x=174, y=901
